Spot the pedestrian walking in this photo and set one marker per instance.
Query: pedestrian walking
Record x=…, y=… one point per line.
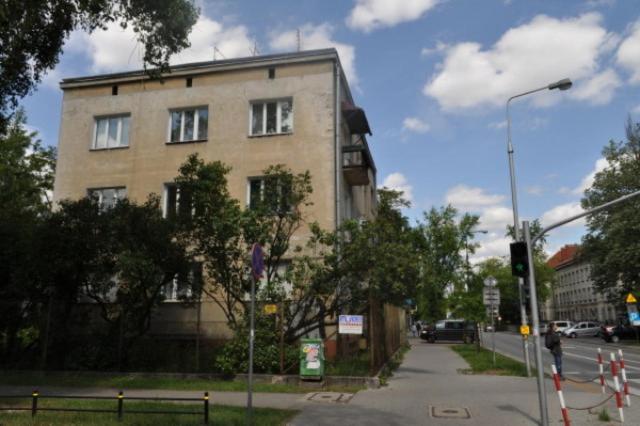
x=414, y=329
x=552, y=342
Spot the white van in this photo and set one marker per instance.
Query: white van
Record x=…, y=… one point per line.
x=560, y=325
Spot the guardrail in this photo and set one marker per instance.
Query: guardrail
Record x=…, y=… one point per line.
x=119, y=399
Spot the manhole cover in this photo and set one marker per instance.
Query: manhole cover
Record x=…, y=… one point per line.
x=329, y=397
x=450, y=412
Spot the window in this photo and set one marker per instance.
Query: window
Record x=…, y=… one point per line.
x=270, y=193
x=271, y=117
x=184, y=285
x=111, y=132
x=108, y=197
x=188, y=125
x=177, y=202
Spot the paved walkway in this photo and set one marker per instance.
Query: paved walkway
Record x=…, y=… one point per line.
x=429, y=378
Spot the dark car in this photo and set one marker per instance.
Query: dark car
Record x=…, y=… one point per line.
x=613, y=334
x=450, y=330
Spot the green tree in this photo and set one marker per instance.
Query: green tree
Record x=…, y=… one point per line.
x=612, y=242
x=26, y=179
x=32, y=35
x=443, y=239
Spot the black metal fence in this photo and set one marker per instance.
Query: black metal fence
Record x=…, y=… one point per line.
x=119, y=399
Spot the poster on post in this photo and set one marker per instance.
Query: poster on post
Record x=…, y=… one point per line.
x=350, y=324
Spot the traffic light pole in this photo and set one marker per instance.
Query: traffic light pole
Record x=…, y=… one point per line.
x=516, y=234
x=542, y=399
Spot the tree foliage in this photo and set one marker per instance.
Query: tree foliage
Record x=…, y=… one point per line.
x=32, y=35
x=612, y=243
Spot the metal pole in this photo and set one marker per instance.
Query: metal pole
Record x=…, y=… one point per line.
x=493, y=333
x=542, y=394
x=516, y=231
x=251, y=338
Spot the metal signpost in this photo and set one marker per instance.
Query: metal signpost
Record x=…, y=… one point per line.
x=491, y=297
x=257, y=267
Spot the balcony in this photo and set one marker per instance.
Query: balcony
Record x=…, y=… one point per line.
x=355, y=165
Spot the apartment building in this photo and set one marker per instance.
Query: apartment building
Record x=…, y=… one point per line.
x=574, y=296
x=125, y=135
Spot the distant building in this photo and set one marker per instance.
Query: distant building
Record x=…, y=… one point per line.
x=574, y=296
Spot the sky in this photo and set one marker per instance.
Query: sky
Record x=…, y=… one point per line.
x=433, y=77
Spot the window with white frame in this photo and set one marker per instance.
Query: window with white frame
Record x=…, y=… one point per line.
x=189, y=124
x=111, y=132
x=177, y=202
x=271, y=117
x=270, y=193
x=183, y=285
x=108, y=197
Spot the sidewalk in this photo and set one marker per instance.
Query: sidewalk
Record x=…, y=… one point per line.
x=429, y=378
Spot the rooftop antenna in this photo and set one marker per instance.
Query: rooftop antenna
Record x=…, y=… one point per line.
x=216, y=50
x=299, y=39
x=255, y=51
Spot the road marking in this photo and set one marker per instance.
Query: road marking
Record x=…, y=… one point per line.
x=591, y=359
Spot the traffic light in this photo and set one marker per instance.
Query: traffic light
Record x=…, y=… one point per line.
x=519, y=259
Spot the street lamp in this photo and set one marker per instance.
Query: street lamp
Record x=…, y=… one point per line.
x=564, y=84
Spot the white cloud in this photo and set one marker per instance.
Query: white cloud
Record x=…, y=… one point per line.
x=368, y=15
x=399, y=182
x=636, y=109
x=116, y=49
x=318, y=37
x=494, y=245
x=534, y=54
x=440, y=47
x=535, y=190
x=496, y=218
x=562, y=211
x=587, y=181
x=498, y=125
x=415, y=124
x=628, y=55
x=599, y=89
x=469, y=198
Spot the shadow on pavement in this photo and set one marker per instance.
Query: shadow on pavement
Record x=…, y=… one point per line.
x=513, y=409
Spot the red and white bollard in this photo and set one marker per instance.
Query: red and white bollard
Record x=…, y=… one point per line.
x=601, y=369
x=616, y=383
x=625, y=384
x=563, y=407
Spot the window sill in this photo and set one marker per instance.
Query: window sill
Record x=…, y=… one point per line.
x=115, y=148
x=268, y=135
x=186, y=142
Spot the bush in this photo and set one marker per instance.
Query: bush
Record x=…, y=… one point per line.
x=234, y=356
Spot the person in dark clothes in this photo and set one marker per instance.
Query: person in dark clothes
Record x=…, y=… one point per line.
x=552, y=342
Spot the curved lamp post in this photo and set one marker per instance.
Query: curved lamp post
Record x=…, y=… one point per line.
x=564, y=84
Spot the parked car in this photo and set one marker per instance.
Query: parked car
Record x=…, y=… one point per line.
x=613, y=334
x=583, y=329
x=450, y=330
x=561, y=325
x=544, y=326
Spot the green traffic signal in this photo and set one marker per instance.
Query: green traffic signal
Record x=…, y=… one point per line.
x=519, y=259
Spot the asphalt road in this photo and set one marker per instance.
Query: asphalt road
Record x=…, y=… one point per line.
x=580, y=355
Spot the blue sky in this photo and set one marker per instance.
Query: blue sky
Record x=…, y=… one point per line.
x=433, y=77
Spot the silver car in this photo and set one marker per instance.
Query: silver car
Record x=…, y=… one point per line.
x=582, y=329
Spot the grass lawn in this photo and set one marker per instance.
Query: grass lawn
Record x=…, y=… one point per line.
x=482, y=362
x=356, y=366
x=36, y=379
x=218, y=415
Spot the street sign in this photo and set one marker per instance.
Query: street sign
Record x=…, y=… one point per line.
x=350, y=324
x=490, y=282
x=257, y=260
x=491, y=296
x=634, y=318
x=270, y=309
x=524, y=330
x=631, y=298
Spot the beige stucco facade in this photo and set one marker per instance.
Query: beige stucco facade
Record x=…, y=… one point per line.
x=226, y=89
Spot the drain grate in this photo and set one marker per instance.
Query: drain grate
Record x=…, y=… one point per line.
x=330, y=397
x=450, y=412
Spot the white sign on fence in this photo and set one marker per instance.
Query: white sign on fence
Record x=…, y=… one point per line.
x=350, y=324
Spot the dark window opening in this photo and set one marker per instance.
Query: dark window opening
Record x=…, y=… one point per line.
x=189, y=82
x=114, y=90
x=272, y=73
